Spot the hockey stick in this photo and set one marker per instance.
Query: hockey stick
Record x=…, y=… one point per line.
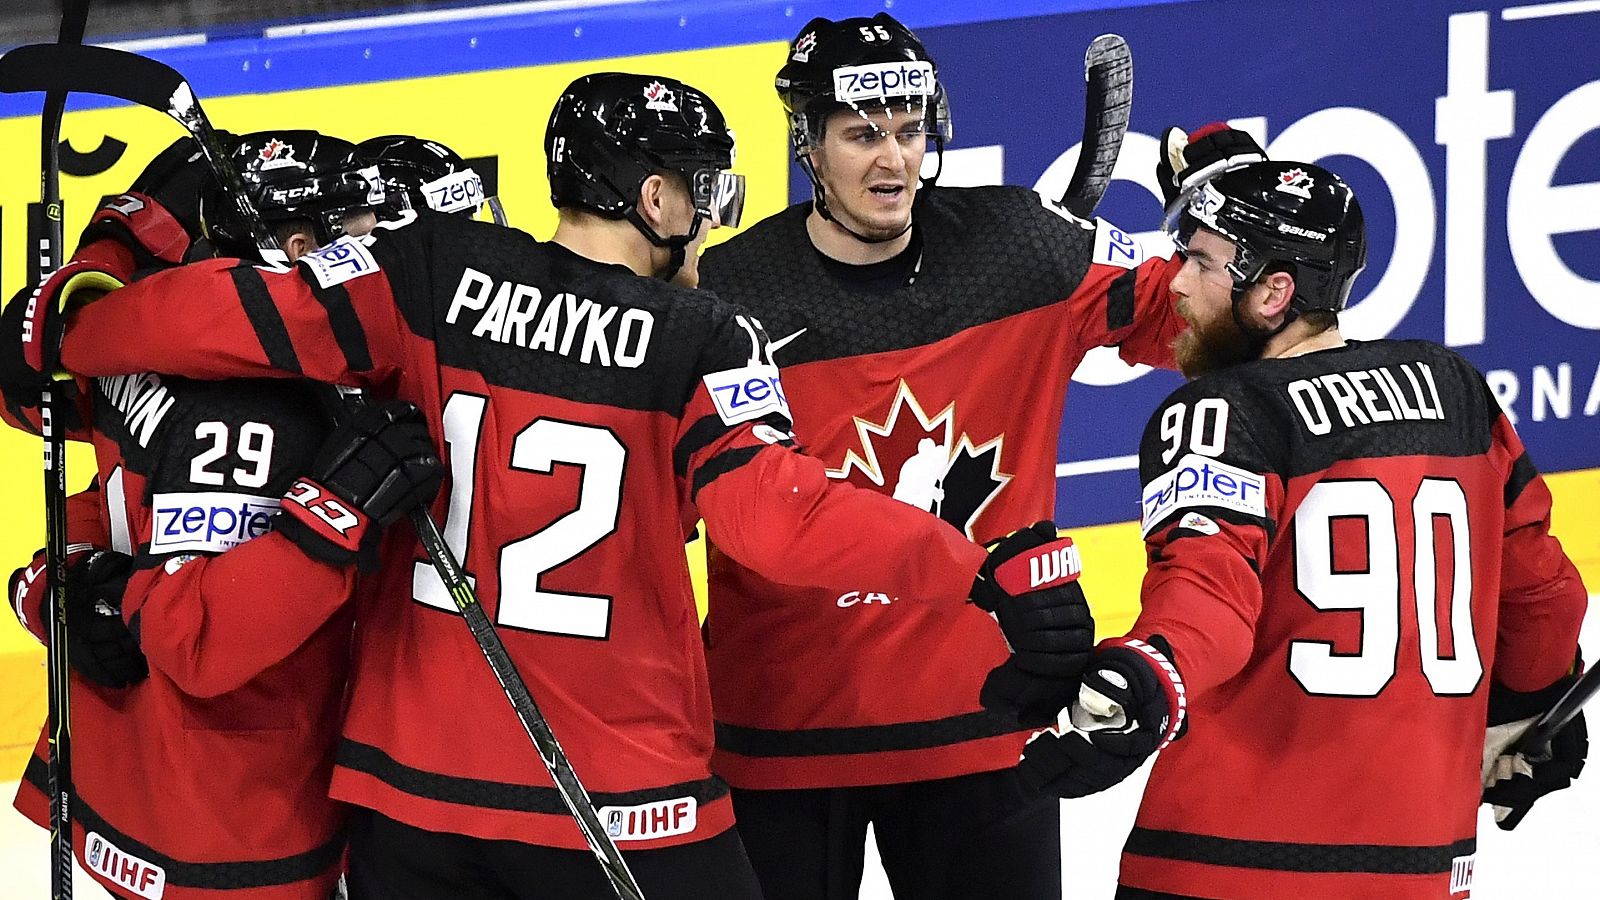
x=141, y=80
x=74, y=19
x=1108, y=100
x=1535, y=742
x=148, y=82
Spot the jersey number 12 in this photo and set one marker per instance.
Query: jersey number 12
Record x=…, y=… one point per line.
x=524, y=604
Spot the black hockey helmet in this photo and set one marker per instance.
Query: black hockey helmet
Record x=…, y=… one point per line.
x=610, y=131
x=1296, y=214
x=291, y=175
x=861, y=64
x=856, y=64
x=421, y=174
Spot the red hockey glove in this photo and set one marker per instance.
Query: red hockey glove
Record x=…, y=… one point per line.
x=1029, y=583
x=1131, y=705
x=1187, y=160
x=374, y=468
x=141, y=225
x=1512, y=781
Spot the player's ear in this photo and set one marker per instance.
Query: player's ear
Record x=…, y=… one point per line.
x=652, y=197
x=1280, y=291
x=297, y=244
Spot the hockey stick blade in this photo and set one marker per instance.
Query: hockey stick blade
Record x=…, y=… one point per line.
x=147, y=82
x=1108, y=102
x=94, y=70
x=1535, y=742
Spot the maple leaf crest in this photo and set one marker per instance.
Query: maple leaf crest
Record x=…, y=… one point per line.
x=922, y=460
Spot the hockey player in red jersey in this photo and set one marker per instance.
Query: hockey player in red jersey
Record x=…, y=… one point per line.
x=1351, y=573
x=927, y=335
x=593, y=412
x=206, y=720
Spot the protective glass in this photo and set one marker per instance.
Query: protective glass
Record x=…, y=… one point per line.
x=719, y=197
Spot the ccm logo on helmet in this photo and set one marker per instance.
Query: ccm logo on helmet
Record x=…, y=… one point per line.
x=880, y=80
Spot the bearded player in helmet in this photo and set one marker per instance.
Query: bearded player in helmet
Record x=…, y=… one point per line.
x=593, y=412
x=1351, y=577
x=927, y=335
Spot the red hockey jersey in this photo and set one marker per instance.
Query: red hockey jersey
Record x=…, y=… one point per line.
x=941, y=385
x=589, y=417
x=247, y=651
x=1345, y=547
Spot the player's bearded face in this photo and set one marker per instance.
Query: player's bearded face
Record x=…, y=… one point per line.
x=1204, y=293
x=868, y=164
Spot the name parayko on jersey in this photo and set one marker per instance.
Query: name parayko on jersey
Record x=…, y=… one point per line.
x=522, y=315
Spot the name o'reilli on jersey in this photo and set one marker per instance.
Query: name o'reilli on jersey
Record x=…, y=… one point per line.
x=564, y=323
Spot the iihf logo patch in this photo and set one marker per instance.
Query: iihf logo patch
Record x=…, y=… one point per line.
x=1296, y=182
x=614, y=823
x=804, y=46
x=659, y=97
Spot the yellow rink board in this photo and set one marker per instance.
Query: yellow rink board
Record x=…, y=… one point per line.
x=1113, y=560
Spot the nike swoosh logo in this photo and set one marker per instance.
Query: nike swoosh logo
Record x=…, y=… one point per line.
x=774, y=346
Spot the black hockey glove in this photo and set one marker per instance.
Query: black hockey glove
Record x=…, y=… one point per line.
x=1512, y=781
x=375, y=467
x=1029, y=583
x=1190, y=159
x=1131, y=705
x=99, y=644
x=178, y=177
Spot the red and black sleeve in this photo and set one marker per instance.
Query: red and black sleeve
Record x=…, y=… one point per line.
x=229, y=319
x=1542, y=596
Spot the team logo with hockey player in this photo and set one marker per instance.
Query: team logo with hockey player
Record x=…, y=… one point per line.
x=1296, y=182
x=123, y=869
x=924, y=461
x=659, y=97
x=804, y=46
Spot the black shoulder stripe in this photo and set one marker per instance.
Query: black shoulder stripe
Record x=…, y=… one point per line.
x=696, y=438
x=264, y=318
x=720, y=465
x=1119, y=301
x=1522, y=473
x=346, y=325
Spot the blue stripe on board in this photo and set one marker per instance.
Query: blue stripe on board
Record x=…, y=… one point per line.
x=232, y=63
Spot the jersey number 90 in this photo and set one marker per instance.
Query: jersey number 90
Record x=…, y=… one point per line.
x=1376, y=591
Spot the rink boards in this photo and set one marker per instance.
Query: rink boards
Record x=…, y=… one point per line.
x=1468, y=130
